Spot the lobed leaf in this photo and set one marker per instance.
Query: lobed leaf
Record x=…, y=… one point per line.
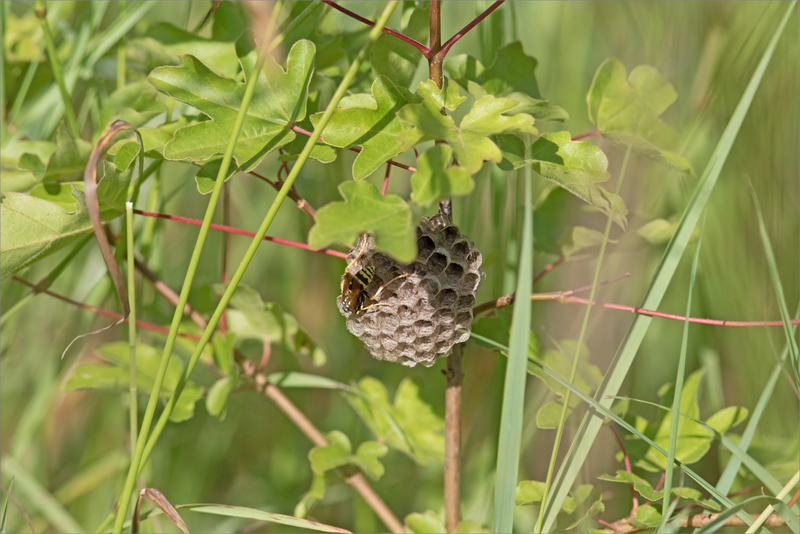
x=396, y=59
x=371, y=124
x=279, y=100
x=388, y=218
x=434, y=180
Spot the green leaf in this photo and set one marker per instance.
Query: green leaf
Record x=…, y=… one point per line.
x=657, y=231
x=388, y=218
x=134, y=103
x=646, y=517
x=170, y=41
x=427, y=523
x=312, y=496
x=279, y=100
x=641, y=486
x=335, y=454
x=495, y=327
x=578, y=167
x=249, y=317
x=470, y=141
x=36, y=227
x=538, y=109
x=117, y=377
x=417, y=432
x=510, y=71
x=206, y=175
x=396, y=59
x=374, y=127
x=434, y=181
x=217, y=398
x=549, y=415
x=67, y=161
x=153, y=139
x=447, y=97
x=529, y=491
x=260, y=515
x=588, y=502
x=366, y=458
x=579, y=239
x=626, y=111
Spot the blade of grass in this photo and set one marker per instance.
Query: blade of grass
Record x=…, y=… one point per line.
x=676, y=400
x=265, y=224
x=574, y=371
x=603, y=411
x=127, y=492
x=766, y=513
x=729, y=474
x=590, y=426
x=55, y=66
x=508, y=445
x=133, y=394
x=778, y=287
x=39, y=497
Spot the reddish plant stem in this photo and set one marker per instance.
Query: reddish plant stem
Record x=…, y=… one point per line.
x=463, y=31
x=356, y=149
x=100, y=311
x=660, y=481
x=237, y=231
x=714, y=322
x=505, y=300
x=293, y=194
x=627, y=465
x=590, y=134
x=549, y=268
x=386, y=179
x=568, y=298
x=419, y=46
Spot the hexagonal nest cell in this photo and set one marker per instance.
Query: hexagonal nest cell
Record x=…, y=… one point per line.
x=416, y=318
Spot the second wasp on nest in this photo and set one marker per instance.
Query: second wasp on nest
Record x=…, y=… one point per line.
x=413, y=313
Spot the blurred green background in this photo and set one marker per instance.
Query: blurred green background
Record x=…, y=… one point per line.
x=256, y=457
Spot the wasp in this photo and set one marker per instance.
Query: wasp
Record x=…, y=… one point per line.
x=355, y=298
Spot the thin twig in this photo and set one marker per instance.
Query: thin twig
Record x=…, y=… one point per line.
x=293, y=194
x=419, y=46
x=463, y=31
x=623, y=526
x=549, y=268
x=560, y=296
x=590, y=134
x=627, y=465
x=386, y=179
x=356, y=149
x=237, y=231
x=101, y=311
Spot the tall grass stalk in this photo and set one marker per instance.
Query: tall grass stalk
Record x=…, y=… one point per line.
x=133, y=394
x=511, y=417
x=591, y=424
x=676, y=400
x=127, y=492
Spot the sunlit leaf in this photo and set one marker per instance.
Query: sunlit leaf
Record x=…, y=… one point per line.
x=434, y=180
x=388, y=218
x=278, y=101
x=374, y=128
x=396, y=59
x=626, y=111
x=427, y=523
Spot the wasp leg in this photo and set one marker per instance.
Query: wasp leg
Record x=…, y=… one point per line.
x=378, y=292
x=365, y=308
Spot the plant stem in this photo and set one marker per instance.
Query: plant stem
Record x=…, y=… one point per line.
x=300, y=201
x=419, y=46
x=127, y=492
x=270, y=216
x=121, y=52
x=452, y=436
x=101, y=311
x=231, y=230
x=133, y=394
x=461, y=33
x=55, y=65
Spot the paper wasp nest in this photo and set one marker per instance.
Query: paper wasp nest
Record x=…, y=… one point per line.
x=418, y=317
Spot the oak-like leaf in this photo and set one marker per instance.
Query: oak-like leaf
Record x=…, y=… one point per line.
x=374, y=127
x=626, y=111
x=388, y=218
x=434, y=181
x=279, y=100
